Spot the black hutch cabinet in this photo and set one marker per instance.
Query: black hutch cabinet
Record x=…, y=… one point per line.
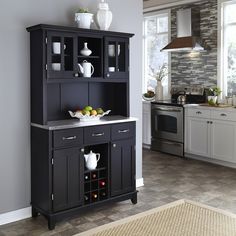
x=61, y=185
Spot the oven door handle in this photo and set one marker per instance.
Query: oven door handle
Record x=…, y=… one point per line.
x=171, y=143
x=167, y=109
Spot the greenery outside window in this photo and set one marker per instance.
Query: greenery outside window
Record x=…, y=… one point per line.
x=228, y=47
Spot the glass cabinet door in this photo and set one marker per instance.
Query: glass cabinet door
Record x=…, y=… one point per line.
x=61, y=50
x=116, y=58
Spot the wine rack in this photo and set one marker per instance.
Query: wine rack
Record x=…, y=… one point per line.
x=95, y=185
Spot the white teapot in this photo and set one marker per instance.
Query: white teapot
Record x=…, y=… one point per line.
x=91, y=160
x=86, y=69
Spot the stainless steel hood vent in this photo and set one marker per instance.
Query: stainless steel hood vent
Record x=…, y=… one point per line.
x=188, y=32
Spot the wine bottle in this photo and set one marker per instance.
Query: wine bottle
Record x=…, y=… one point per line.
x=102, y=183
x=94, y=196
x=103, y=194
x=94, y=175
x=86, y=198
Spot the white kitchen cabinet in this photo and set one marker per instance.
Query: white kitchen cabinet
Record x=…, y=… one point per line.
x=197, y=140
x=223, y=137
x=213, y=136
x=146, y=124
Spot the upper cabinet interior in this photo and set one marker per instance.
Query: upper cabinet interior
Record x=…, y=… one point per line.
x=73, y=67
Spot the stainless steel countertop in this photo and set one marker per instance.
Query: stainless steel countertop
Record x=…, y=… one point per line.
x=75, y=123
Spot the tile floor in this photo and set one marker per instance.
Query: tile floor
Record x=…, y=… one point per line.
x=167, y=178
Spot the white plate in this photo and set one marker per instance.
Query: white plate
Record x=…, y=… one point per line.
x=87, y=118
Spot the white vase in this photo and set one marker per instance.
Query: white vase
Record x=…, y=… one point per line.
x=104, y=16
x=84, y=20
x=212, y=100
x=159, y=91
x=85, y=51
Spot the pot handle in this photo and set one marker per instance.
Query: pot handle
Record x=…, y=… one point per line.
x=98, y=156
x=92, y=69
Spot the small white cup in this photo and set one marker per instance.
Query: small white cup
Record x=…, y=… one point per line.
x=56, y=48
x=111, y=50
x=56, y=66
x=111, y=69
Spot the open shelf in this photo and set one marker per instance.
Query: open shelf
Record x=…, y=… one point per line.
x=88, y=57
x=83, y=79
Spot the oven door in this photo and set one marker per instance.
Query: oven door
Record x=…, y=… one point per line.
x=167, y=122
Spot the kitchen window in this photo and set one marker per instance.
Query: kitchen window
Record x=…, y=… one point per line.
x=156, y=35
x=228, y=47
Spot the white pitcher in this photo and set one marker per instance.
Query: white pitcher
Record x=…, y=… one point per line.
x=91, y=160
x=86, y=69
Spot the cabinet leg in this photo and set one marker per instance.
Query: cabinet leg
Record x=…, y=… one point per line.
x=134, y=199
x=34, y=212
x=51, y=223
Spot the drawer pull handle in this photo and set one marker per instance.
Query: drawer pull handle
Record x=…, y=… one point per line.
x=98, y=134
x=123, y=131
x=223, y=114
x=198, y=112
x=69, y=138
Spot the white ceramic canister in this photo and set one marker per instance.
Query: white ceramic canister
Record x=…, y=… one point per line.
x=85, y=51
x=104, y=16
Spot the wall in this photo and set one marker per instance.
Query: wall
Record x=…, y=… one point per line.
x=15, y=83
x=197, y=68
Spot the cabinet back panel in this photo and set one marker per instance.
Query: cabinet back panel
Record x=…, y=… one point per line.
x=73, y=97
x=53, y=102
x=65, y=97
x=109, y=97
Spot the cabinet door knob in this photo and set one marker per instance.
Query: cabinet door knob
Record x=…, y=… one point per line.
x=76, y=74
x=82, y=149
x=114, y=145
x=108, y=75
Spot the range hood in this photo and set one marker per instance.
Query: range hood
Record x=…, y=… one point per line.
x=188, y=32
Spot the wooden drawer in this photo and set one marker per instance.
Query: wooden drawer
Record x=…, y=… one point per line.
x=123, y=131
x=97, y=134
x=198, y=112
x=67, y=137
x=223, y=115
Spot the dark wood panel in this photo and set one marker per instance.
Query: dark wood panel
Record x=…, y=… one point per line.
x=41, y=169
x=96, y=134
x=68, y=137
x=123, y=131
x=54, y=102
x=36, y=72
x=73, y=97
x=67, y=187
x=122, y=167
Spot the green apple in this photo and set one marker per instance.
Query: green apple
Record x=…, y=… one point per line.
x=99, y=111
x=88, y=108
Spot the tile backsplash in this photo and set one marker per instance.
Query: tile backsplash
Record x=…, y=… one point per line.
x=197, y=68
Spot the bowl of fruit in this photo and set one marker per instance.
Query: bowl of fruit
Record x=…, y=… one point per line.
x=88, y=113
x=149, y=96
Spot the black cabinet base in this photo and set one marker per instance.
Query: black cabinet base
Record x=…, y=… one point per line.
x=55, y=217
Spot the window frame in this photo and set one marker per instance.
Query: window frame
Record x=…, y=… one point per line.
x=156, y=14
x=221, y=80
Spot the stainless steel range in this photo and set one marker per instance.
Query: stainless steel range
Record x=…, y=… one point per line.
x=167, y=119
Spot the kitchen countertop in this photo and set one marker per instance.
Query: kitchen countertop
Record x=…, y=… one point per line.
x=75, y=123
x=207, y=107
